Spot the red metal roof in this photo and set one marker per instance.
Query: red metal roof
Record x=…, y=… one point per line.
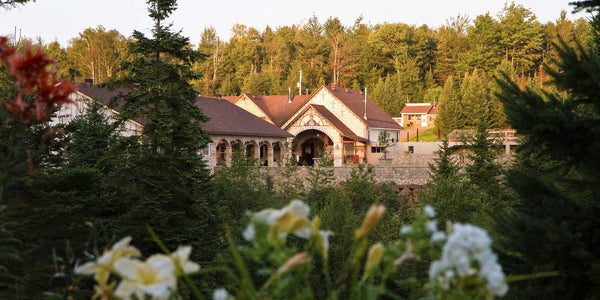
x=417, y=108
x=225, y=117
x=104, y=95
x=228, y=119
x=355, y=101
x=278, y=107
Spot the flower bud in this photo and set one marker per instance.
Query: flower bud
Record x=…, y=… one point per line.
x=374, y=256
x=293, y=262
x=370, y=220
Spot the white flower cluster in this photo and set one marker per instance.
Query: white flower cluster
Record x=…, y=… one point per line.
x=431, y=226
x=292, y=218
x=465, y=245
x=156, y=277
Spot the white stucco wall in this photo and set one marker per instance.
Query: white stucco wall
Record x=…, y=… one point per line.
x=70, y=111
x=323, y=97
x=252, y=108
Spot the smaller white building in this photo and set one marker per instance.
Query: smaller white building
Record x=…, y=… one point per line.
x=418, y=114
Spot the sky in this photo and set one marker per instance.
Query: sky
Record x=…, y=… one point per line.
x=63, y=20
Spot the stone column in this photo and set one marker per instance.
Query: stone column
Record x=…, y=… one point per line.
x=256, y=153
x=338, y=156
x=228, y=155
x=270, y=155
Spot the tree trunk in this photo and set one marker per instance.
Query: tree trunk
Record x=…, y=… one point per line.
x=215, y=65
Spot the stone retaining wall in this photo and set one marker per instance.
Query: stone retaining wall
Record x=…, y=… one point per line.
x=403, y=170
x=398, y=175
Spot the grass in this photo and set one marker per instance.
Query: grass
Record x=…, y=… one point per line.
x=429, y=135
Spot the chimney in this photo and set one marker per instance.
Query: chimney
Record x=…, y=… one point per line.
x=289, y=95
x=89, y=81
x=219, y=96
x=365, y=116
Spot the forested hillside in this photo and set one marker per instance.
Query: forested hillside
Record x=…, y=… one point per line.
x=454, y=64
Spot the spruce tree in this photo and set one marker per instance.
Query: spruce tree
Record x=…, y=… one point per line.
x=450, y=113
x=164, y=182
x=484, y=171
x=450, y=193
x=445, y=165
x=554, y=226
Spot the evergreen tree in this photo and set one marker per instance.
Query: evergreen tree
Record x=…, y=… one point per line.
x=554, y=225
x=474, y=98
x=388, y=96
x=450, y=113
x=450, y=193
x=163, y=183
x=452, y=43
x=484, y=171
x=445, y=165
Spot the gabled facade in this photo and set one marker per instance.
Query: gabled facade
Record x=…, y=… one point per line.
x=344, y=122
x=84, y=97
x=418, y=114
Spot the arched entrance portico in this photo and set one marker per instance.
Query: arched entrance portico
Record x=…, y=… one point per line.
x=310, y=144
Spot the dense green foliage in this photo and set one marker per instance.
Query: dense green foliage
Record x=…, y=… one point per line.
x=554, y=224
x=456, y=195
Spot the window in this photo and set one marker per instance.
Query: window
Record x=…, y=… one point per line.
x=205, y=151
x=376, y=149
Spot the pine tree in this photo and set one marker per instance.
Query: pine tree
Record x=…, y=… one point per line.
x=450, y=193
x=474, y=94
x=163, y=183
x=450, y=113
x=484, y=171
x=554, y=225
x=445, y=165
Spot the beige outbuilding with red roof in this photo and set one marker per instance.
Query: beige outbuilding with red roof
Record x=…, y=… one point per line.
x=418, y=114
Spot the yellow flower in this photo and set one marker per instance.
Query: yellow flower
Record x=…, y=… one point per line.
x=374, y=256
x=293, y=262
x=370, y=220
x=102, y=267
x=155, y=277
x=181, y=259
x=291, y=219
x=104, y=291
